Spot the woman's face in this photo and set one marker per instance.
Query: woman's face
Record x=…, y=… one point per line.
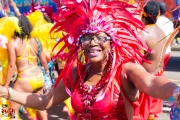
x=95, y=46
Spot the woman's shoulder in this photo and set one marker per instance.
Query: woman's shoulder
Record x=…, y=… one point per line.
x=130, y=66
x=32, y=39
x=16, y=42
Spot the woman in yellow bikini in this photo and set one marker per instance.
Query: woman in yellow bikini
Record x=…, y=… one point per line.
x=22, y=51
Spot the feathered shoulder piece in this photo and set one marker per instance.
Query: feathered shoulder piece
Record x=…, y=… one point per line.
x=47, y=40
x=3, y=59
x=8, y=25
x=36, y=18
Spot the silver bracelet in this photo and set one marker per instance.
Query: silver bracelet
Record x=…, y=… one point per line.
x=10, y=94
x=47, y=72
x=176, y=93
x=16, y=10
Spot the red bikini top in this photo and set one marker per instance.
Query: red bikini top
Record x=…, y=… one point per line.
x=111, y=106
x=105, y=108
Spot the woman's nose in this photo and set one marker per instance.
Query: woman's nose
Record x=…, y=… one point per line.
x=93, y=41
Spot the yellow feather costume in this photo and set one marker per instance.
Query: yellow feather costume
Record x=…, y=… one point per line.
x=7, y=27
x=41, y=31
x=48, y=40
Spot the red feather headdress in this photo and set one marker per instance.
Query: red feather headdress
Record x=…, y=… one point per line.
x=115, y=18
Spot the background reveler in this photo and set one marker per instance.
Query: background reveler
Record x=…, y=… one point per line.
x=167, y=26
x=40, y=31
x=25, y=59
x=155, y=39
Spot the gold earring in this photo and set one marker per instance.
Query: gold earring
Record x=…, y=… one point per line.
x=81, y=56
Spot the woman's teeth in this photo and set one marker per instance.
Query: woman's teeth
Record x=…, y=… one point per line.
x=93, y=51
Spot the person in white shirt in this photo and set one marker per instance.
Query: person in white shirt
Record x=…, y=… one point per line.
x=167, y=26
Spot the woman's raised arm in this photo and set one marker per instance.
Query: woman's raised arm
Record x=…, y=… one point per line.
x=34, y=100
x=155, y=86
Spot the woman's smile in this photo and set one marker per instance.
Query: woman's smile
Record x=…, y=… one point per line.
x=94, y=51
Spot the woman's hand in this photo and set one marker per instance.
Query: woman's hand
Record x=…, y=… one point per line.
x=175, y=108
x=176, y=95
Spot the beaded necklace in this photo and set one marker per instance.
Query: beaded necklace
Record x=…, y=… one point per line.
x=88, y=93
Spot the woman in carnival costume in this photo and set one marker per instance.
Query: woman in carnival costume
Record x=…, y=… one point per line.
x=153, y=38
x=108, y=77
x=4, y=104
x=41, y=19
x=46, y=41
x=30, y=77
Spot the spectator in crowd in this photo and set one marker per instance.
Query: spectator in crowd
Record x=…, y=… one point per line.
x=152, y=37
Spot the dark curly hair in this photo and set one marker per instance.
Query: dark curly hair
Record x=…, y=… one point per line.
x=162, y=7
x=25, y=26
x=152, y=11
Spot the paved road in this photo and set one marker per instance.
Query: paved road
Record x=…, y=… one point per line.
x=172, y=72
